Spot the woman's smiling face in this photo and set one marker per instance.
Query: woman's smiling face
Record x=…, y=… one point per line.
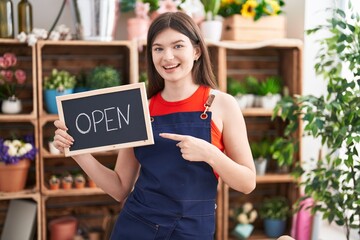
x=174, y=55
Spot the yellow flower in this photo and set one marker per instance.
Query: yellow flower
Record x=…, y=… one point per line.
x=272, y=8
x=248, y=9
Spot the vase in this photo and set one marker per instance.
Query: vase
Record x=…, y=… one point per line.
x=274, y=228
x=63, y=228
x=12, y=105
x=50, y=99
x=95, y=20
x=211, y=30
x=13, y=176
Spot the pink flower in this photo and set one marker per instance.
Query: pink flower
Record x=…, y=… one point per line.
x=10, y=58
x=168, y=6
x=10, y=78
x=20, y=76
x=142, y=10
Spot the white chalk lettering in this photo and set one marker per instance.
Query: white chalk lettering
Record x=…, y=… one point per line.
x=93, y=117
x=108, y=120
x=77, y=125
x=127, y=119
x=98, y=116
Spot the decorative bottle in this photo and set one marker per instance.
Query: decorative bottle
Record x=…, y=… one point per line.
x=6, y=19
x=25, y=16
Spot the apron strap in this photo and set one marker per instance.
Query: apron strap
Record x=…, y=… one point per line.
x=208, y=103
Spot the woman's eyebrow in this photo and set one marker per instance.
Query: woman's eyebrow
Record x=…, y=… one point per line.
x=175, y=42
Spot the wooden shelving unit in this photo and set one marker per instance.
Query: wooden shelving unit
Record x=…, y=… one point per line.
x=280, y=57
x=24, y=123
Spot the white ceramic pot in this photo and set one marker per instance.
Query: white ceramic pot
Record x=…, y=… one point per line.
x=11, y=106
x=260, y=165
x=53, y=149
x=269, y=101
x=211, y=30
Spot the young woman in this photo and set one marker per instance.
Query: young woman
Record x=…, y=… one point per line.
x=170, y=187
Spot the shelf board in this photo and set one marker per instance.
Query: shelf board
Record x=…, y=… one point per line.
x=17, y=117
x=27, y=193
x=275, y=178
x=257, y=112
x=72, y=192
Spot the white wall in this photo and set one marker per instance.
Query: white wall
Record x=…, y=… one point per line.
x=301, y=14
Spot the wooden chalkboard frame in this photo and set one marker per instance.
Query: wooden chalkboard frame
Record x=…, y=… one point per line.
x=60, y=100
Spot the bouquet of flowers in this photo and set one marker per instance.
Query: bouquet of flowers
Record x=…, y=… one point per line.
x=10, y=78
x=244, y=215
x=251, y=8
x=12, y=151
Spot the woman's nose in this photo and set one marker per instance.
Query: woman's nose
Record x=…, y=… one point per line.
x=168, y=54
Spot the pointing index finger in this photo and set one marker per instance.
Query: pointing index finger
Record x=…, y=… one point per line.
x=172, y=136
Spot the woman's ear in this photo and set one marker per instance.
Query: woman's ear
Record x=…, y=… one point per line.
x=197, y=53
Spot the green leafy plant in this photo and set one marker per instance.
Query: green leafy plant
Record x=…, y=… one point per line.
x=272, y=85
x=252, y=84
x=211, y=8
x=103, y=77
x=261, y=149
x=274, y=208
x=251, y=8
x=333, y=118
x=235, y=87
x=59, y=80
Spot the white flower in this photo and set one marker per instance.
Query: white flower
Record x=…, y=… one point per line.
x=32, y=39
x=54, y=35
x=22, y=151
x=22, y=37
x=242, y=218
x=40, y=33
x=253, y=216
x=12, y=151
x=28, y=147
x=247, y=207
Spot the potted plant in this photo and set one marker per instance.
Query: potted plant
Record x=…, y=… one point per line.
x=211, y=27
x=15, y=157
x=67, y=181
x=333, y=180
x=244, y=215
x=252, y=86
x=52, y=148
x=79, y=181
x=274, y=211
x=56, y=84
x=238, y=90
x=54, y=182
x=261, y=154
x=269, y=92
x=81, y=85
x=11, y=80
x=91, y=183
x=103, y=77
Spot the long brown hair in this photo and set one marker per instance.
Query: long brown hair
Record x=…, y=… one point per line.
x=202, y=71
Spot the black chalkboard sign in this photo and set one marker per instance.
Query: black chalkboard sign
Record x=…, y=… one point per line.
x=106, y=119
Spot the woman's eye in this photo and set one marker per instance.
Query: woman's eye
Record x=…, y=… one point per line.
x=178, y=46
x=157, y=49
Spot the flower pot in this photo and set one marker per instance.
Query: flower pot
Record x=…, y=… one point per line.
x=66, y=185
x=13, y=176
x=269, y=101
x=91, y=183
x=79, y=185
x=50, y=98
x=211, y=30
x=11, y=105
x=274, y=227
x=63, y=228
x=137, y=28
x=243, y=231
x=260, y=166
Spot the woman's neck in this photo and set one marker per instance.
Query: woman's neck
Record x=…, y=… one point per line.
x=178, y=92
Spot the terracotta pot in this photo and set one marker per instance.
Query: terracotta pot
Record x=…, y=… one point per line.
x=79, y=185
x=13, y=176
x=137, y=28
x=66, y=185
x=63, y=228
x=92, y=184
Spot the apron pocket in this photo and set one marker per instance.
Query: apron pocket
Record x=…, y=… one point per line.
x=130, y=226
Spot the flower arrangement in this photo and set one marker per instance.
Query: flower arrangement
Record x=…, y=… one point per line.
x=10, y=77
x=12, y=151
x=251, y=8
x=245, y=214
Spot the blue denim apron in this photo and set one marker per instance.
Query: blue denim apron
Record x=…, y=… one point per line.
x=173, y=198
